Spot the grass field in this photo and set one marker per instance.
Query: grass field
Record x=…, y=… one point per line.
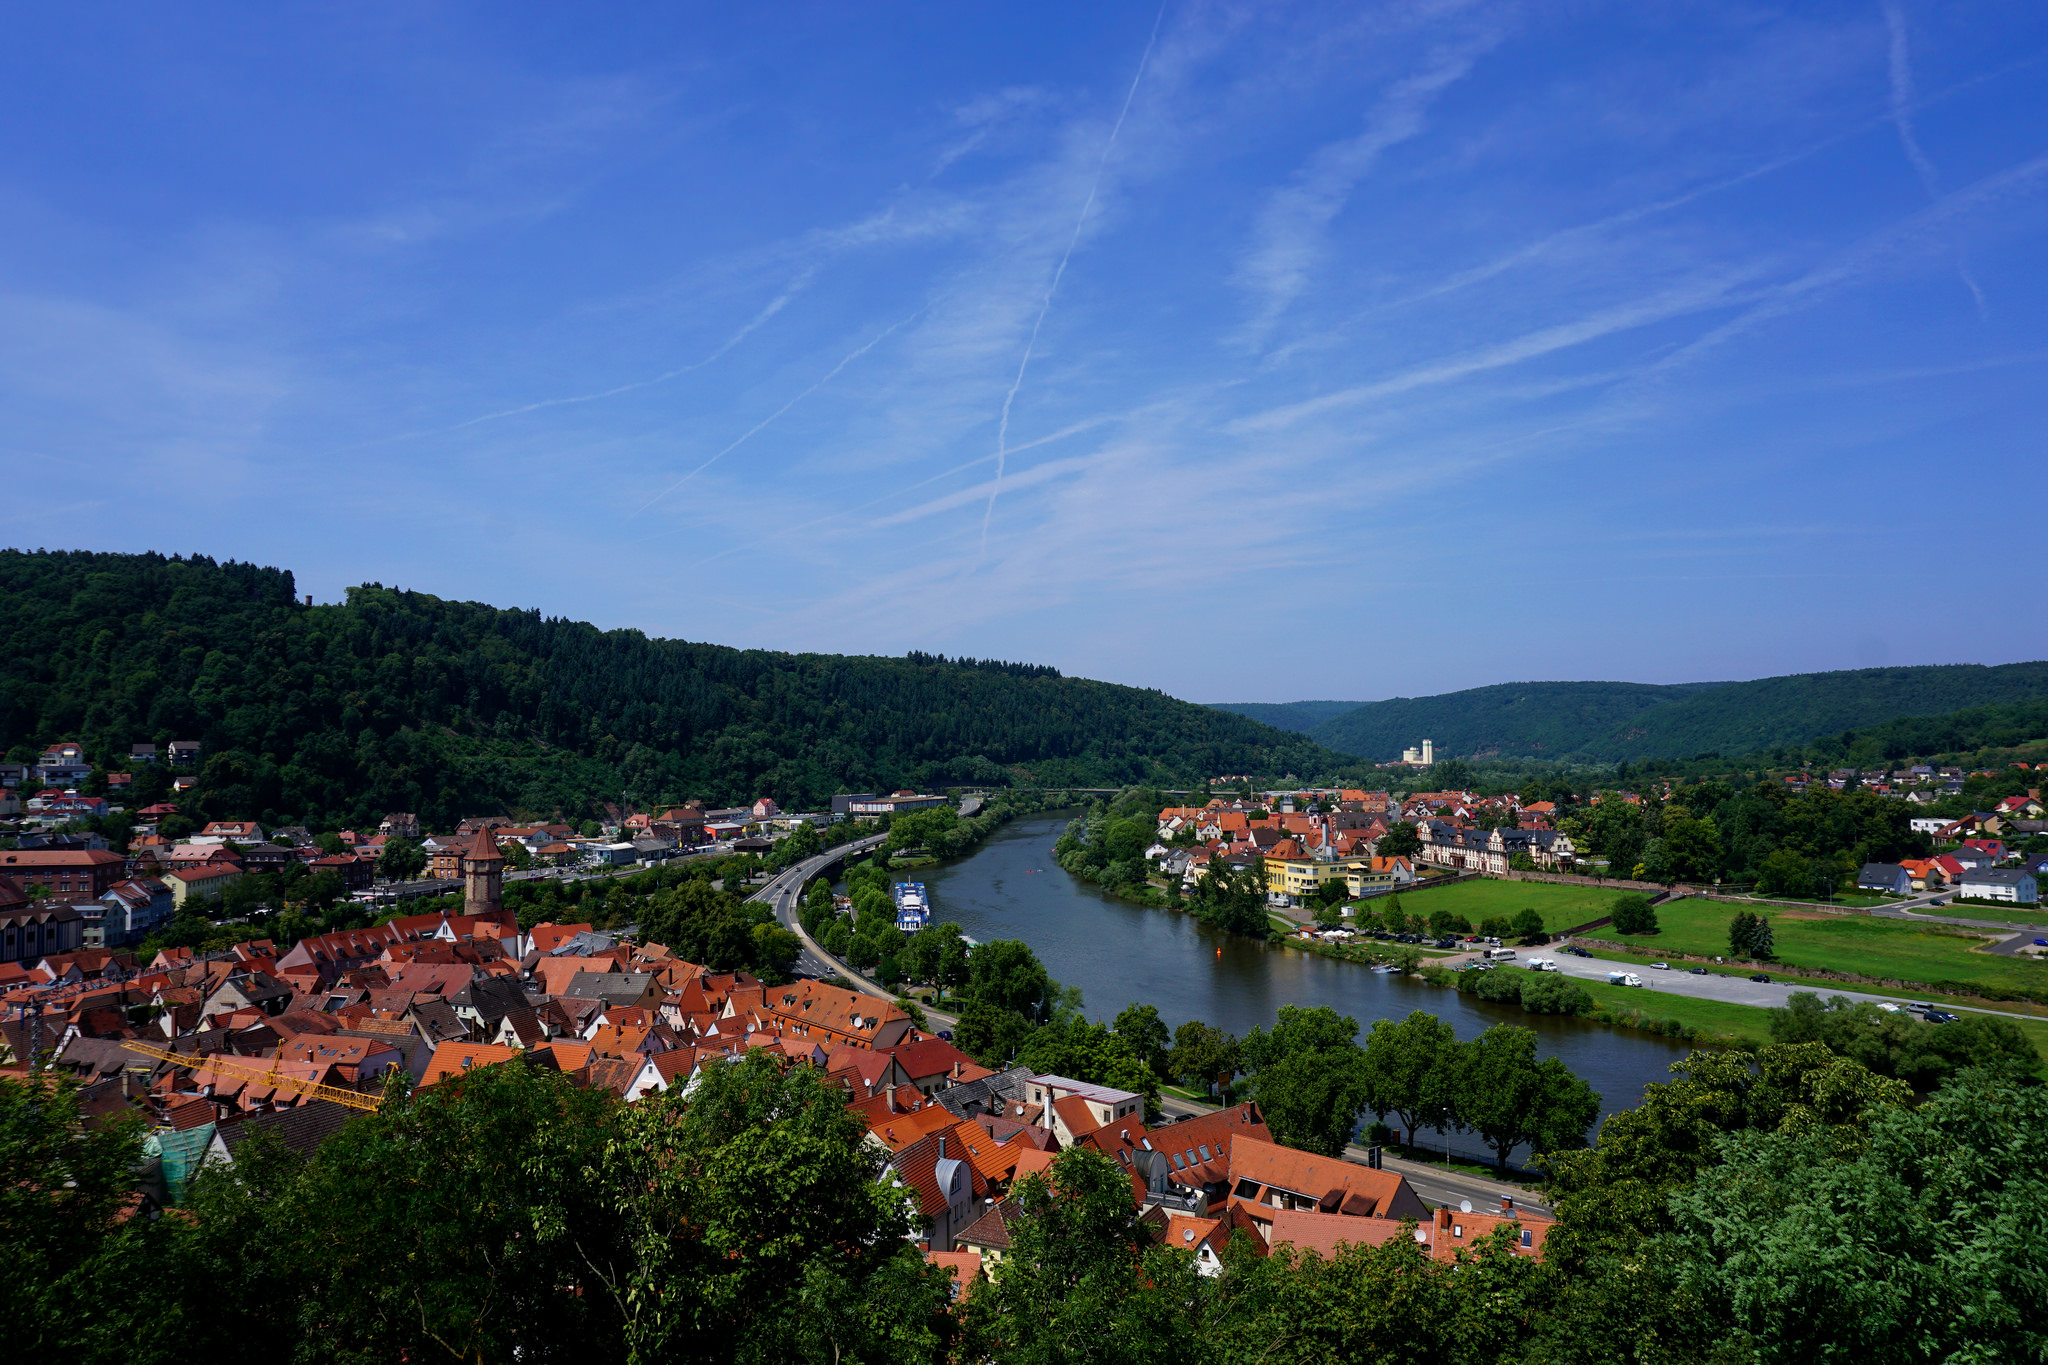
x=1743, y=1021
x=1845, y=943
x=1709, y=1016
x=1562, y=907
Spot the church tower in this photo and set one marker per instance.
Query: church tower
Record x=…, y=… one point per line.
x=483, y=876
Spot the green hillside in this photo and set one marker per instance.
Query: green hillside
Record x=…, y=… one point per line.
x=1507, y=720
x=1607, y=722
x=402, y=701
x=1299, y=716
x=1745, y=717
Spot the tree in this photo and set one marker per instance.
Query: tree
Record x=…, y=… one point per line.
x=1798, y=1251
x=1528, y=928
x=322, y=890
x=1005, y=974
x=402, y=859
x=1400, y=841
x=1497, y=926
x=1330, y=913
x=1509, y=1098
x=1692, y=849
x=1232, y=899
x=1632, y=913
x=1922, y=1055
x=1204, y=1057
x=1411, y=1071
x=1072, y=1046
x=1083, y=1280
x=1784, y=872
x=1750, y=936
x=753, y=1220
x=1308, y=1076
x=1142, y=1028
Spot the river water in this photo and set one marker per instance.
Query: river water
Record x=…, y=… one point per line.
x=1119, y=953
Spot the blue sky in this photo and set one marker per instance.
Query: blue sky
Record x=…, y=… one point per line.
x=1248, y=352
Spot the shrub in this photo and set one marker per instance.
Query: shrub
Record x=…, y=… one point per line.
x=1633, y=914
x=1495, y=985
x=1550, y=993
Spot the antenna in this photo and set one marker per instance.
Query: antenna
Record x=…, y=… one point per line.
x=1464, y=1206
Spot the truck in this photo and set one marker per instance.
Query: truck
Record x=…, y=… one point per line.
x=1623, y=979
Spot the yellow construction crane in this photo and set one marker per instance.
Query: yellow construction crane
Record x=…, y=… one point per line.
x=354, y=1099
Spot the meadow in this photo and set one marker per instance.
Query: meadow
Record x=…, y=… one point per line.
x=1858, y=944
x=1562, y=906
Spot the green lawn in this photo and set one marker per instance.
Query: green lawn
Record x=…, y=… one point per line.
x=1709, y=1016
x=1562, y=907
x=1845, y=943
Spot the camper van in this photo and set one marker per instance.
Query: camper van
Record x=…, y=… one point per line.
x=1623, y=979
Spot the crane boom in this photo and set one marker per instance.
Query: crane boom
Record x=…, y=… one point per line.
x=354, y=1099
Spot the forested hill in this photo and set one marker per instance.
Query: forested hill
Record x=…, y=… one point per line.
x=1509, y=720
x=1301, y=716
x=1606, y=722
x=402, y=701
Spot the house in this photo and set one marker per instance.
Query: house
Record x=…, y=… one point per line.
x=27, y=934
x=133, y=908
x=400, y=825
x=946, y=1186
x=453, y=1059
x=2011, y=885
x=64, y=871
x=824, y=1014
x=141, y=755
x=634, y=990
x=63, y=765
x=1442, y=1234
x=301, y=1128
x=990, y=1235
x=1890, y=878
x=357, y=872
x=1266, y=1178
x=223, y=831
x=204, y=882
x=184, y=753
x=1092, y=1105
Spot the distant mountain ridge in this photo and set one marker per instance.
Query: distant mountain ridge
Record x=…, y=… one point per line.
x=1611, y=721
x=1299, y=716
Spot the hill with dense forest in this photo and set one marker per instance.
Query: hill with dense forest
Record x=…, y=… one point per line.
x=402, y=701
x=1507, y=720
x=1299, y=716
x=1607, y=722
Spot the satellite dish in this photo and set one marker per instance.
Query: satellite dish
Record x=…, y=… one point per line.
x=1464, y=1206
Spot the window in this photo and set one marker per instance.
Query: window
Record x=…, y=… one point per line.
x=1190, y=1156
x=1177, y=1162
x=1525, y=1237
x=1458, y=1230
x=1205, y=1151
x=1247, y=1189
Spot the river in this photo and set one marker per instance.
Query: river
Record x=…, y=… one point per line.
x=1119, y=953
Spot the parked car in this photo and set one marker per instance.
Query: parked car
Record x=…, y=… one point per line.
x=1761, y=977
x=2041, y=943
x=1697, y=971
x=1941, y=1017
x=1577, y=951
x=1660, y=966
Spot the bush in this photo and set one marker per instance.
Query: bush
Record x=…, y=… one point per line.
x=1497, y=926
x=1633, y=914
x=1549, y=993
x=1494, y=985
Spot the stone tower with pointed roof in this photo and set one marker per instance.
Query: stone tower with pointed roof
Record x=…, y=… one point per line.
x=483, y=876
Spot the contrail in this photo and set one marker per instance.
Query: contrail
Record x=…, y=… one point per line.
x=1902, y=117
x=1003, y=425
x=755, y=429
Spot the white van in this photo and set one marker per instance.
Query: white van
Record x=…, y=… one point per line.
x=1500, y=954
x=1623, y=979
x=1540, y=964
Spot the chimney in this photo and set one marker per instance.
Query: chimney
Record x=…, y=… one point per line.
x=1443, y=1218
x=1507, y=1203
x=942, y=1146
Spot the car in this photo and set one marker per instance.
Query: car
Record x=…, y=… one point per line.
x=1761, y=977
x=946, y=1035
x=1660, y=966
x=1940, y=1017
x=1697, y=971
x=2041, y=943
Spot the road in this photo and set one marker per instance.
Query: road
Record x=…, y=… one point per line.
x=1736, y=990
